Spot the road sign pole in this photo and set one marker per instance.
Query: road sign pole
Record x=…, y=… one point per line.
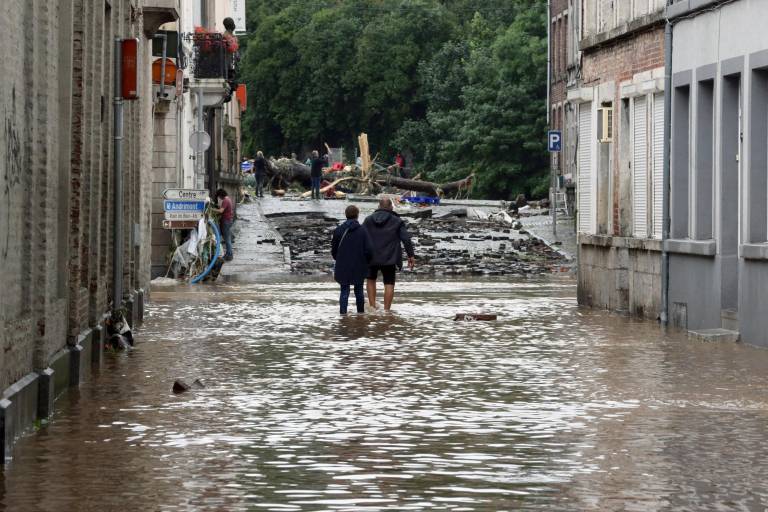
x=554, y=145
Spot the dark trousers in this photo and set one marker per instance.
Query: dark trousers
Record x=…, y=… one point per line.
x=359, y=298
x=259, y=185
x=316, y=187
x=226, y=234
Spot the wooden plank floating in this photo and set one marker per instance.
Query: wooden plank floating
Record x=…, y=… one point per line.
x=474, y=317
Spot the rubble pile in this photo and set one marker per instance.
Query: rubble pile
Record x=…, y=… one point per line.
x=465, y=247
x=309, y=239
x=451, y=247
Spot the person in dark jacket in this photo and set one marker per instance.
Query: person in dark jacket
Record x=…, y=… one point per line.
x=352, y=249
x=260, y=173
x=316, y=174
x=387, y=231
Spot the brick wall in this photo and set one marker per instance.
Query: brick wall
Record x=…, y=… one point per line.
x=625, y=58
x=57, y=177
x=619, y=62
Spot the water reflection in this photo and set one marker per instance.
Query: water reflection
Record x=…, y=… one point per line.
x=549, y=408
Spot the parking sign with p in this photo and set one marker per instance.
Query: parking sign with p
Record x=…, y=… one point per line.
x=555, y=138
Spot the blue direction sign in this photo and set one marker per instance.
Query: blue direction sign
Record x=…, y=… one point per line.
x=184, y=206
x=555, y=138
x=246, y=166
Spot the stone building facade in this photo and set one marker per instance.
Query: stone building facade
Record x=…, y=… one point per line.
x=176, y=164
x=57, y=191
x=718, y=246
x=618, y=105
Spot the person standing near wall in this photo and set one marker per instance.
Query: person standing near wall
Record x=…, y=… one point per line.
x=260, y=173
x=227, y=212
x=352, y=249
x=316, y=174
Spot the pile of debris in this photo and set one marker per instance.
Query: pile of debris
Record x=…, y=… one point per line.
x=457, y=246
x=452, y=246
x=309, y=239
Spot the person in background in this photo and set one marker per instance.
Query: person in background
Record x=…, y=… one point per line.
x=316, y=174
x=387, y=231
x=260, y=173
x=227, y=212
x=352, y=249
x=400, y=163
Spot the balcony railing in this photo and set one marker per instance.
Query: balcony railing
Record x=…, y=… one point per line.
x=212, y=57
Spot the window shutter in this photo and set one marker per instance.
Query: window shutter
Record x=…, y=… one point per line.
x=640, y=168
x=586, y=210
x=658, y=165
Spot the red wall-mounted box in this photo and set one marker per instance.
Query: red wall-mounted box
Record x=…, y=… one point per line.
x=130, y=69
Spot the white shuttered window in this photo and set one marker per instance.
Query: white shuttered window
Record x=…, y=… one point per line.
x=640, y=168
x=657, y=178
x=585, y=192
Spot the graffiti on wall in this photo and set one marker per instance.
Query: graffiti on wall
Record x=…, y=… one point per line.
x=11, y=172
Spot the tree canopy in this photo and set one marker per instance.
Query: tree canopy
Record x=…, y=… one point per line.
x=458, y=86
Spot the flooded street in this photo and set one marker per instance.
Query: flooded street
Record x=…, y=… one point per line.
x=552, y=407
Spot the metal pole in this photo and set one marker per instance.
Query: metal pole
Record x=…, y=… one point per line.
x=164, y=37
x=553, y=176
x=667, y=172
x=117, y=298
x=199, y=155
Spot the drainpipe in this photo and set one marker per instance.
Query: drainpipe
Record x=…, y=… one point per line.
x=164, y=37
x=199, y=164
x=117, y=284
x=667, y=171
x=549, y=86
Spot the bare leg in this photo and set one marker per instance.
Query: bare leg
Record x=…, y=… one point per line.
x=389, y=295
x=371, y=283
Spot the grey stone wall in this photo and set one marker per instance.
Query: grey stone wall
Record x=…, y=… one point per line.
x=620, y=274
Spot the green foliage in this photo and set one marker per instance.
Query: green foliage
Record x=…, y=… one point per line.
x=458, y=85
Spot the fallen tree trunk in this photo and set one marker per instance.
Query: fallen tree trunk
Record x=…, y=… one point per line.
x=287, y=171
x=427, y=187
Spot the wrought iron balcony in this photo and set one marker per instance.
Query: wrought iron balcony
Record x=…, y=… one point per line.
x=213, y=56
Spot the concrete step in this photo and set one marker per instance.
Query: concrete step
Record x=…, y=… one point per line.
x=721, y=335
x=729, y=319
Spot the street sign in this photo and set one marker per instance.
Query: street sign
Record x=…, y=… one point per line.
x=184, y=209
x=180, y=224
x=191, y=216
x=246, y=166
x=200, y=141
x=183, y=206
x=185, y=194
x=555, y=138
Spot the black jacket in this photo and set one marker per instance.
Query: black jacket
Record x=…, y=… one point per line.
x=260, y=165
x=352, y=249
x=316, y=169
x=387, y=231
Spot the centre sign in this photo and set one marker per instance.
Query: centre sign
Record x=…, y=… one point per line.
x=183, y=206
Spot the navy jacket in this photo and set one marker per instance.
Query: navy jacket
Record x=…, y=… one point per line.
x=387, y=231
x=352, y=249
x=316, y=168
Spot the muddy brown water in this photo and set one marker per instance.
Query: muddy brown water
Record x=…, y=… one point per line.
x=552, y=407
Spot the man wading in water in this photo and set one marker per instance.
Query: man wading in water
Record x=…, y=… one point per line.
x=387, y=231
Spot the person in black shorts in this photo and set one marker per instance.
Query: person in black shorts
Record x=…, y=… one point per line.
x=387, y=231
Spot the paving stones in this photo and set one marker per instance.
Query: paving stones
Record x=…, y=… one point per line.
x=449, y=247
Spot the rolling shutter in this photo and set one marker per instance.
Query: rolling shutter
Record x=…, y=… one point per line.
x=640, y=168
x=657, y=179
x=586, y=210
